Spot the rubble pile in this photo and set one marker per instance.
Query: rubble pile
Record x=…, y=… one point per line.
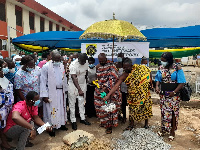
x=141, y=139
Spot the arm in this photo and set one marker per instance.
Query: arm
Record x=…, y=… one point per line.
x=20, y=120
x=75, y=81
x=121, y=79
x=38, y=120
x=157, y=87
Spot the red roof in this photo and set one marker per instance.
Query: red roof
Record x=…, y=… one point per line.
x=47, y=12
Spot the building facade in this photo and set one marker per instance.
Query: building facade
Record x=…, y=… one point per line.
x=28, y=16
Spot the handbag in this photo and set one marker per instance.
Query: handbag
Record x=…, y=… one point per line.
x=185, y=92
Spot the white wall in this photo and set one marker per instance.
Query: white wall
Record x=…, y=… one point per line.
x=37, y=23
x=46, y=25
x=11, y=18
x=25, y=19
x=54, y=26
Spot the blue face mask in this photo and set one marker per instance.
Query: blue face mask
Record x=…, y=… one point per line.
x=5, y=70
x=73, y=59
x=23, y=55
x=37, y=103
x=91, y=65
x=1, y=57
x=29, y=69
x=119, y=59
x=17, y=63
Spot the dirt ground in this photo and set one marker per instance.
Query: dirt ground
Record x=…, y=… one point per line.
x=187, y=135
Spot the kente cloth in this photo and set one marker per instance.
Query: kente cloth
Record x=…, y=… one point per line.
x=107, y=76
x=168, y=105
x=139, y=97
x=52, y=85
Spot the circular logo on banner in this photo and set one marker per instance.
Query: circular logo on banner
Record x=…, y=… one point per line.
x=91, y=50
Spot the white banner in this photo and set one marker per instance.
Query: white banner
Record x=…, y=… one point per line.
x=130, y=49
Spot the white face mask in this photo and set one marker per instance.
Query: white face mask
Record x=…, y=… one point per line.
x=12, y=70
x=164, y=63
x=145, y=65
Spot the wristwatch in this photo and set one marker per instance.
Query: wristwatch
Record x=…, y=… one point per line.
x=174, y=93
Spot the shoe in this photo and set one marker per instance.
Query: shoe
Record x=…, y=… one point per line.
x=29, y=144
x=63, y=127
x=85, y=122
x=52, y=133
x=74, y=126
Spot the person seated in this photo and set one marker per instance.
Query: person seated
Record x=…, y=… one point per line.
x=20, y=120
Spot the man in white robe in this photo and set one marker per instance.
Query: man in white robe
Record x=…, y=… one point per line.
x=52, y=88
x=77, y=88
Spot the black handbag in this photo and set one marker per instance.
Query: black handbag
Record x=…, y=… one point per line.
x=185, y=92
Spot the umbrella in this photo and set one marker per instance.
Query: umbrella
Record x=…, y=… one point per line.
x=112, y=29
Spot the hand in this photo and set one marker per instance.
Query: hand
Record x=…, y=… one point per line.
x=49, y=129
x=0, y=117
x=80, y=92
x=157, y=90
x=33, y=134
x=171, y=94
x=45, y=99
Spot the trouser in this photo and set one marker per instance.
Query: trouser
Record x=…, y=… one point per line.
x=72, y=102
x=89, y=106
x=20, y=133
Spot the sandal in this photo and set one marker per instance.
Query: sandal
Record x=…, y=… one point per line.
x=130, y=127
x=108, y=130
x=171, y=138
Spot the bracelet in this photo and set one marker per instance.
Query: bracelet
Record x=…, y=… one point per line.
x=174, y=93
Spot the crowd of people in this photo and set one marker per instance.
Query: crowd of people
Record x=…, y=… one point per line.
x=57, y=88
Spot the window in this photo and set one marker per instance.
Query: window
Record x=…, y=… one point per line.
x=41, y=24
x=18, y=14
x=63, y=29
x=31, y=20
x=57, y=28
x=2, y=12
x=50, y=26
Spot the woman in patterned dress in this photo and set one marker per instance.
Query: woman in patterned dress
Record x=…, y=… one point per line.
x=137, y=78
x=169, y=100
x=25, y=79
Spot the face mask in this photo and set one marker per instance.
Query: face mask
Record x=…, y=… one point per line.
x=29, y=69
x=56, y=63
x=119, y=59
x=145, y=65
x=23, y=55
x=17, y=63
x=164, y=63
x=91, y=65
x=37, y=103
x=1, y=57
x=5, y=70
x=73, y=59
x=12, y=70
